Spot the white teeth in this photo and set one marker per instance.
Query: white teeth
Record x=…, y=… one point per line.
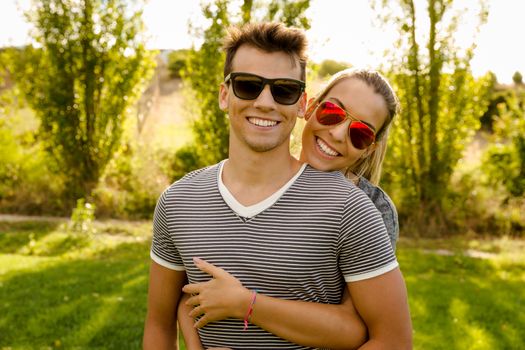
x=326, y=149
x=262, y=122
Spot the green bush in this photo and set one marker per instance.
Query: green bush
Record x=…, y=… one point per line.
x=505, y=164
x=131, y=185
x=184, y=161
x=177, y=62
x=27, y=184
x=330, y=67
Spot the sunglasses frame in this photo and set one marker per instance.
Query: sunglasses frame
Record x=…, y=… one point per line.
x=348, y=115
x=231, y=77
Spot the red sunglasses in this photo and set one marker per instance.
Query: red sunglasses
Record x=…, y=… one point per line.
x=361, y=135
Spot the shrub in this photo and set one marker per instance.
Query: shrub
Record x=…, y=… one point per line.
x=184, y=161
x=177, y=62
x=330, y=67
x=131, y=185
x=27, y=184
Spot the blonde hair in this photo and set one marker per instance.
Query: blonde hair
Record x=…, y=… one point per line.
x=369, y=166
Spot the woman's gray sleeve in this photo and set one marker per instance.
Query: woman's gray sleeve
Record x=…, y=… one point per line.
x=385, y=206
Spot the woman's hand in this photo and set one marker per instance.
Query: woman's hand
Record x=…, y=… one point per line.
x=221, y=297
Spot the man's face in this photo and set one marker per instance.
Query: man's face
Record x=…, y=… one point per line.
x=261, y=124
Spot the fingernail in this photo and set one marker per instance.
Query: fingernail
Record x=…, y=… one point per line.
x=197, y=260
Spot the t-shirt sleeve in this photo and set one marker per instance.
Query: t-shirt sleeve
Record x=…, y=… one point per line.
x=163, y=250
x=364, y=246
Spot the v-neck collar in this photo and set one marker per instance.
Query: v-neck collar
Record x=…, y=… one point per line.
x=255, y=209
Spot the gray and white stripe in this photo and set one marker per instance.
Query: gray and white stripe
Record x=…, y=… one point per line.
x=322, y=231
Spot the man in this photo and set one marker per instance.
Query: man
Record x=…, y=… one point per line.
x=280, y=227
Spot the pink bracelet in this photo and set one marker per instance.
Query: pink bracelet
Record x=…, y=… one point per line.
x=250, y=310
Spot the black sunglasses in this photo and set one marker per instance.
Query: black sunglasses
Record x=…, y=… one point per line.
x=248, y=86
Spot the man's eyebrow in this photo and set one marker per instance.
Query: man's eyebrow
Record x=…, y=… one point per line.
x=341, y=104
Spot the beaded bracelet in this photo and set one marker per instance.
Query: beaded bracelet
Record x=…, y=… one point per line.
x=250, y=310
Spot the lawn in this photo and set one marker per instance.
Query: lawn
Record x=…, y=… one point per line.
x=72, y=291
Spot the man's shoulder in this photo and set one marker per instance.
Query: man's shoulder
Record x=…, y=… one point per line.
x=196, y=179
x=327, y=178
x=330, y=185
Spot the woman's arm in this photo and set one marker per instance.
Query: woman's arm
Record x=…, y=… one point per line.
x=304, y=323
x=189, y=332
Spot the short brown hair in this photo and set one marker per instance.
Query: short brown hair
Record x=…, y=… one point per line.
x=269, y=37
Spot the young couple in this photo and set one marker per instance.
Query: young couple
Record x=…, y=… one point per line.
x=300, y=253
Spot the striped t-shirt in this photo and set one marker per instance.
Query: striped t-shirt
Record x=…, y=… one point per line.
x=320, y=232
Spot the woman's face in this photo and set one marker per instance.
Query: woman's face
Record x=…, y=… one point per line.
x=328, y=147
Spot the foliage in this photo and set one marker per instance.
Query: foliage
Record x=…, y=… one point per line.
x=177, y=62
x=517, y=78
x=29, y=182
x=185, y=160
x=82, y=217
x=504, y=160
x=441, y=104
x=83, y=293
x=5, y=74
x=330, y=67
x=498, y=97
x=90, y=67
x=132, y=182
x=203, y=73
x=291, y=13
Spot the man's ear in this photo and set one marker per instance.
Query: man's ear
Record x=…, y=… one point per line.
x=302, y=105
x=223, y=97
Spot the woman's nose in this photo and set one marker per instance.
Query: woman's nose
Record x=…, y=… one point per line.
x=339, y=132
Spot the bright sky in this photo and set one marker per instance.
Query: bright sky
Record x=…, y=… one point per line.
x=341, y=30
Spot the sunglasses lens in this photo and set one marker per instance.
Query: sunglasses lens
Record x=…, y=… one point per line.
x=247, y=87
x=361, y=135
x=286, y=92
x=329, y=113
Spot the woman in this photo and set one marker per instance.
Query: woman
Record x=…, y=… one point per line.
x=346, y=130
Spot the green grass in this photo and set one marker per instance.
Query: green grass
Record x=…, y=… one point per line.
x=466, y=294
x=63, y=290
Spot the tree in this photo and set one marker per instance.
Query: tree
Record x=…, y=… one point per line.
x=330, y=67
x=441, y=104
x=203, y=74
x=517, y=78
x=88, y=67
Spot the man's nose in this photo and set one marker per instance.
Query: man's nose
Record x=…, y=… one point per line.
x=265, y=98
